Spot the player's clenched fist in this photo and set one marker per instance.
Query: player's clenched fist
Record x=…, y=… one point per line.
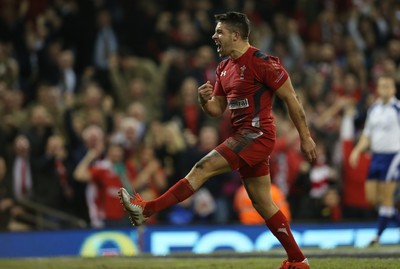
x=205, y=92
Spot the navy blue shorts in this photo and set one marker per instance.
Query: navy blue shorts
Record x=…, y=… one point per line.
x=385, y=167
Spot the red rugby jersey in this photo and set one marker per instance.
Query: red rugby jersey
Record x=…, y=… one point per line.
x=249, y=83
x=108, y=184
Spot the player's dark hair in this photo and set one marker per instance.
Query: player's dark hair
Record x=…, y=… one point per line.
x=237, y=21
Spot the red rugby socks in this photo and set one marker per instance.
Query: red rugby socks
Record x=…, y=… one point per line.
x=279, y=226
x=176, y=194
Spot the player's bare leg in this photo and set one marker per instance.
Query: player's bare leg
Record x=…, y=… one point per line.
x=139, y=210
x=258, y=189
x=210, y=165
x=371, y=192
x=386, y=208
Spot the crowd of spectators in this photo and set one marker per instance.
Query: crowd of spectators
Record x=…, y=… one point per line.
x=102, y=90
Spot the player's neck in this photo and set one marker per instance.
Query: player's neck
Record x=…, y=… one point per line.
x=239, y=50
x=386, y=100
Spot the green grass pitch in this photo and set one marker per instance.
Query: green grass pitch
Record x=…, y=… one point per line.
x=192, y=263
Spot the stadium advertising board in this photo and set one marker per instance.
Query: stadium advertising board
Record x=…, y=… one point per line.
x=202, y=240
x=85, y=243
x=164, y=240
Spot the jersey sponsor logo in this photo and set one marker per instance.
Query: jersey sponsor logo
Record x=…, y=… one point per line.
x=237, y=104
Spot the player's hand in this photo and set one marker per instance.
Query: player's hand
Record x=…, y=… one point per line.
x=205, y=92
x=308, y=148
x=353, y=159
x=92, y=154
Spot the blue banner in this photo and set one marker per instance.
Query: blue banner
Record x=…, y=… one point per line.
x=207, y=239
x=164, y=240
x=86, y=243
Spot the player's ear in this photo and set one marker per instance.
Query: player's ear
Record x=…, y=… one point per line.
x=236, y=35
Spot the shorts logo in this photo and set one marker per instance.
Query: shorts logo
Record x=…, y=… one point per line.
x=236, y=104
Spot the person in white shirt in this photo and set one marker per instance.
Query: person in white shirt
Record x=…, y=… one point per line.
x=381, y=135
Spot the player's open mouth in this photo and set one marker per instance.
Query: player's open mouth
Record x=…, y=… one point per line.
x=218, y=46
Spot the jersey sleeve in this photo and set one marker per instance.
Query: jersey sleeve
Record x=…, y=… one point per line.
x=272, y=73
x=218, y=90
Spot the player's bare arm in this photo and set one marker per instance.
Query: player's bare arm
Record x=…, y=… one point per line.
x=362, y=145
x=212, y=105
x=81, y=172
x=296, y=112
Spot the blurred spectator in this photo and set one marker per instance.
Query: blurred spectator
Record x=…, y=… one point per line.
x=286, y=159
x=351, y=88
x=108, y=176
x=354, y=201
x=178, y=66
x=48, y=62
x=204, y=206
x=10, y=211
x=20, y=169
x=285, y=43
x=29, y=55
x=187, y=111
x=246, y=212
x=203, y=64
x=68, y=80
x=90, y=138
x=93, y=108
x=139, y=79
x=9, y=70
x=148, y=176
x=128, y=136
x=17, y=183
x=51, y=98
x=40, y=128
x=11, y=19
x=138, y=111
x=331, y=209
x=169, y=145
x=356, y=65
x=323, y=200
x=5, y=201
x=105, y=45
x=13, y=116
x=321, y=174
x=53, y=177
